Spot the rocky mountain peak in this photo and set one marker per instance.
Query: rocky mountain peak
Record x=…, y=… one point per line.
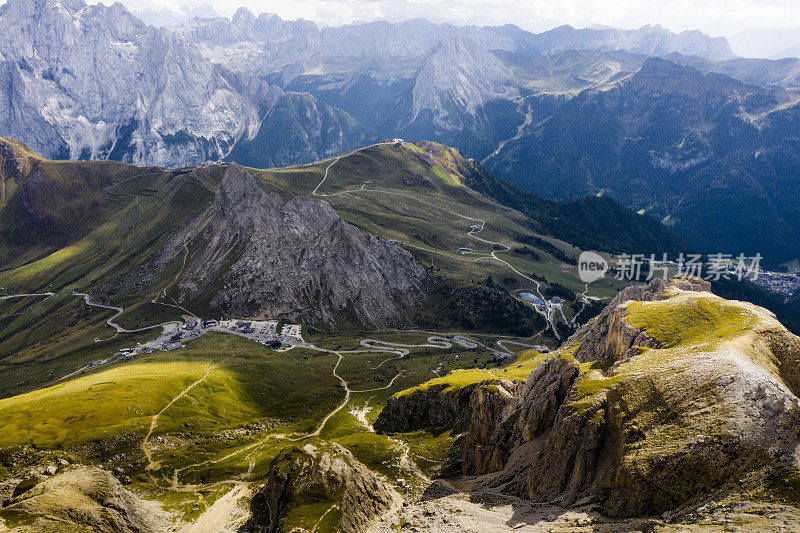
x=459, y=76
x=243, y=18
x=90, y=82
x=295, y=259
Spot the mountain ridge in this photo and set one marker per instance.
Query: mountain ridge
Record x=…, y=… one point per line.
x=590, y=422
x=652, y=142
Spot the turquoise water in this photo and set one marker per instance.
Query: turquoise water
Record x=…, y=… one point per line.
x=532, y=298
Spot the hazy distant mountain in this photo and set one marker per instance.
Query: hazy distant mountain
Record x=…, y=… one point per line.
x=649, y=40
x=300, y=128
x=170, y=17
x=269, y=43
x=708, y=154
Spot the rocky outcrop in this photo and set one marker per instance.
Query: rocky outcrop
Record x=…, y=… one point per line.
x=565, y=465
x=517, y=414
x=669, y=422
x=258, y=256
x=540, y=399
x=82, y=498
x=432, y=407
x=609, y=338
x=316, y=475
x=489, y=437
x=496, y=416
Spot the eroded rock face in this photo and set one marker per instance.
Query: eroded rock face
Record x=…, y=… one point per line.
x=663, y=426
x=83, y=498
x=459, y=78
x=90, y=81
x=496, y=416
x=608, y=337
x=492, y=414
x=429, y=408
x=317, y=474
x=564, y=465
x=540, y=399
x=297, y=260
x=505, y=416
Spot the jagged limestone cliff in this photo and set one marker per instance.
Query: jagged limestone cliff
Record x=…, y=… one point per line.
x=669, y=397
x=296, y=258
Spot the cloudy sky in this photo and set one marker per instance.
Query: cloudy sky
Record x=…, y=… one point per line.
x=716, y=17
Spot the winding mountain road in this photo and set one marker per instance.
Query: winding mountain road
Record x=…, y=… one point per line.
x=119, y=311
x=481, y=223
x=12, y=296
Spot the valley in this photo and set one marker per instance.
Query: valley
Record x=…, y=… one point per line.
x=176, y=432
x=137, y=348
x=234, y=299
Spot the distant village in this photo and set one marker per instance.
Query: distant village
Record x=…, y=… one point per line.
x=783, y=284
x=263, y=332
x=174, y=336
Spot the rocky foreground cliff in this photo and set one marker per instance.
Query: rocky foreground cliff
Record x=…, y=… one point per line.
x=305, y=478
x=670, y=399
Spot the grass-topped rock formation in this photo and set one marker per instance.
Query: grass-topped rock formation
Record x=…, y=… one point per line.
x=315, y=477
x=670, y=398
x=80, y=498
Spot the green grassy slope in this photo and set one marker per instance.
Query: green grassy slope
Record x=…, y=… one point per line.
x=416, y=193
x=103, y=218
x=45, y=205
x=226, y=407
x=412, y=193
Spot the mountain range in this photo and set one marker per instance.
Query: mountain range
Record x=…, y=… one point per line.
x=555, y=112
x=234, y=298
